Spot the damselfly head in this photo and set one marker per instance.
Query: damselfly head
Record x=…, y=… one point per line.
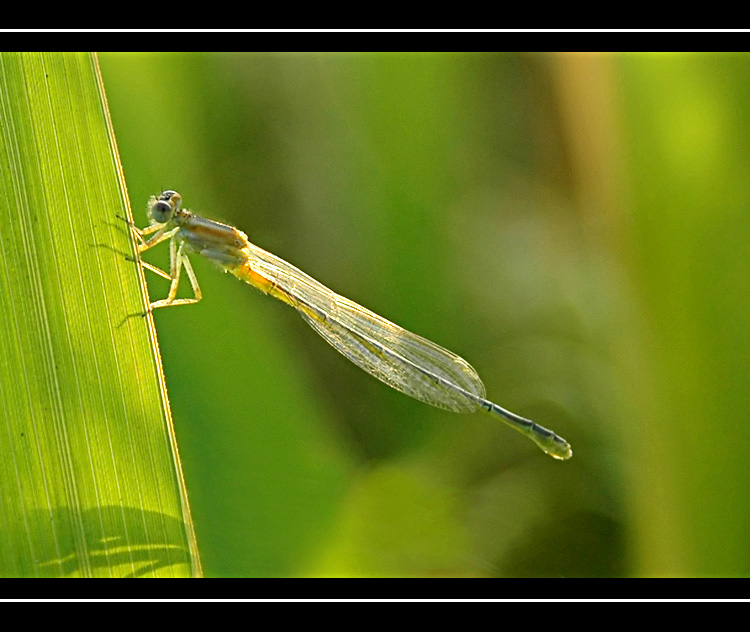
x=161, y=209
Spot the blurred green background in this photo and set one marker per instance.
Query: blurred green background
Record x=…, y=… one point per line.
x=574, y=225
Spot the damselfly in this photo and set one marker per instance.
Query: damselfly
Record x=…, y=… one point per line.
x=401, y=359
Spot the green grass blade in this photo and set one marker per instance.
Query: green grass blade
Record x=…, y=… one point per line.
x=90, y=481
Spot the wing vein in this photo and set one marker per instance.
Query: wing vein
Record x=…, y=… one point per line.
x=403, y=360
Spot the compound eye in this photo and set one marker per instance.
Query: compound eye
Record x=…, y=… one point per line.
x=161, y=211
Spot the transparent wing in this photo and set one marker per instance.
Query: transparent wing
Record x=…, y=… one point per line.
x=401, y=359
